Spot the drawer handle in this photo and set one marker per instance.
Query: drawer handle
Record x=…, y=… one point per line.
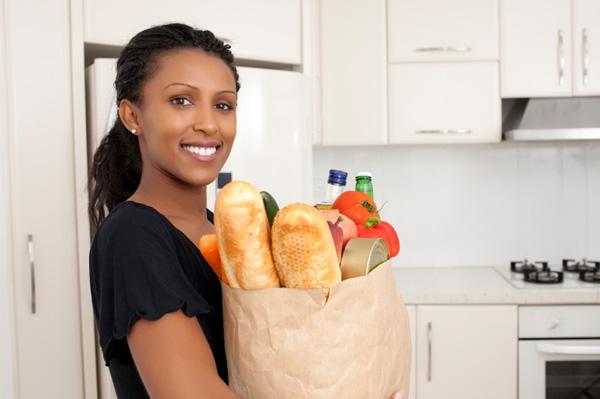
x=561, y=58
x=447, y=131
x=585, y=55
x=450, y=49
x=554, y=349
x=31, y=270
x=429, y=348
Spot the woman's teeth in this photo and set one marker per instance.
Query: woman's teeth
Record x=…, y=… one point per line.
x=204, y=151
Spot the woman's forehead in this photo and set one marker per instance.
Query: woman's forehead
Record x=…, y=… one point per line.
x=193, y=67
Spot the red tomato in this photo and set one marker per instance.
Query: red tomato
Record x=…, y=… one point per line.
x=382, y=230
x=357, y=205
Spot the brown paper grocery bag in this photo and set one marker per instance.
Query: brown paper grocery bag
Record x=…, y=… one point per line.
x=285, y=343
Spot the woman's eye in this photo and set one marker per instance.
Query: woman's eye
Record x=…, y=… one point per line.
x=224, y=106
x=181, y=101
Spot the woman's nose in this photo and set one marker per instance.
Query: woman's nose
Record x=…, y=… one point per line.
x=205, y=120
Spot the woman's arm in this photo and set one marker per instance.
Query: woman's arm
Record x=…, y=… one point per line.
x=174, y=359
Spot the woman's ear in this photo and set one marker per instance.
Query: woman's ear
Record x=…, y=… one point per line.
x=128, y=112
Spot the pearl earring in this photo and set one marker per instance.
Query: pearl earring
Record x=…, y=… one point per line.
x=133, y=131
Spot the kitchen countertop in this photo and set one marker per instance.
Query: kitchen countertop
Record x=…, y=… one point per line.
x=480, y=285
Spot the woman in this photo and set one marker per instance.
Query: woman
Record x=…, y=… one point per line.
x=157, y=303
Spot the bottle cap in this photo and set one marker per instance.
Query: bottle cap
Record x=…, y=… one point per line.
x=364, y=174
x=337, y=177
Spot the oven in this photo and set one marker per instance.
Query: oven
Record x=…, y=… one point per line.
x=559, y=352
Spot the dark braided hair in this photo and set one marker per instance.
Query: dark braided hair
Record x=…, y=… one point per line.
x=117, y=165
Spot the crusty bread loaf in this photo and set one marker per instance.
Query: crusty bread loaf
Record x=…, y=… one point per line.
x=303, y=249
x=243, y=238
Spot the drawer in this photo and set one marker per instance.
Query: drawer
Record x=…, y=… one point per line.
x=567, y=321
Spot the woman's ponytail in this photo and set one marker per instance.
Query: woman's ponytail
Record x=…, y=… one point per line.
x=115, y=173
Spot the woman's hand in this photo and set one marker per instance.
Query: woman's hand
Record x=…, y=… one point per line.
x=396, y=395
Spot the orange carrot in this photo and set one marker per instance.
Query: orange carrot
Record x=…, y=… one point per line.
x=210, y=251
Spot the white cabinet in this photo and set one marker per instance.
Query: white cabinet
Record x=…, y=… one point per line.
x=536, y=48
x=467, y=352
x=586, y=47
x=444, y=103
x=41, y=189
x=411, y=311
x=353, y=71
x=264, y=30
x=434, y=30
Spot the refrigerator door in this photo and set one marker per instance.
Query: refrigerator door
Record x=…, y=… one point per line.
x=273, y=145
x=100, y=100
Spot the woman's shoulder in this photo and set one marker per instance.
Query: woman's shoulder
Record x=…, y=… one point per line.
x=131, y=221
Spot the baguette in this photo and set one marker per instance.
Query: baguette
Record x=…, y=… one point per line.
x=242, y=230
x=303, y=249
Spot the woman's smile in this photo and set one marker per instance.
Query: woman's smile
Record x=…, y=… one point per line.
x=205, y=151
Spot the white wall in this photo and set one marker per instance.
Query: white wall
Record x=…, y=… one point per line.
x=481, y=205
x=6, y=366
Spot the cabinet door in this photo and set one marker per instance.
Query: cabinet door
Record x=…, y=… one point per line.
x=353, y=72
x=434, y=30
x=535, y=55
x=411, y=310
x=444, y=103
x=42, y=196
x=467, y=352
x=264, y=30
x=586, y=51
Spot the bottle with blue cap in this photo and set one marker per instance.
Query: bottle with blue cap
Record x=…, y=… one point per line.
x=336, y=183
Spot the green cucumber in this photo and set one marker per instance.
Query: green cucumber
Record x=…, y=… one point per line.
x=270, y=206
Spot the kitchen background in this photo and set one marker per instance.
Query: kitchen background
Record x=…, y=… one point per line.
x=418, y=93
x=482, y=204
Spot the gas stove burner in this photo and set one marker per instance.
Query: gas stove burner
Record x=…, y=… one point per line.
x=584, y=265
x=590, y=276
x=526, y=266
x=544, y=277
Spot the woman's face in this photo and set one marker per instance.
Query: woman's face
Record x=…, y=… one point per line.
x=187, y=117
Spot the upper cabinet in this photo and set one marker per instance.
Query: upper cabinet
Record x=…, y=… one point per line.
x=444, y=103
x=586, y=47
x=261, y=30
x=536, y=48
x=550, y=48
x=353, y=72
x=433, y=30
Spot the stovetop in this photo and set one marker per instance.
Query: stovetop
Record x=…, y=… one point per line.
x=568, y=274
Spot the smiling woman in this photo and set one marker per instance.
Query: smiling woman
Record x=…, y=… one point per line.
x=157, y=304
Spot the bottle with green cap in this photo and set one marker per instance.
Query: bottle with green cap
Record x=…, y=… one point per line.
x=364, y=183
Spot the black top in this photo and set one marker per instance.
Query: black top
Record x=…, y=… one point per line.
x=142, y=266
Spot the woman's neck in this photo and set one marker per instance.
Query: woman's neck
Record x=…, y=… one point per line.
x=173, y=199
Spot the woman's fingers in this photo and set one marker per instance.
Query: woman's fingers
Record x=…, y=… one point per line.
x=396, y=395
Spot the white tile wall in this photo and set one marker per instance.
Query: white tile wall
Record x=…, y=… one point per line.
x=481, y=205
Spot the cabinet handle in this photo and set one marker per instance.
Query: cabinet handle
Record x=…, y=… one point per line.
x=554, y=349
x=585, y=55
x=429, y=328
x=446, y=131
x=31, y=270
x=561, y=58
x=451, y=49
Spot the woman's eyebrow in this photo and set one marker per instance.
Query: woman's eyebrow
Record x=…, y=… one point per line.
x=182, y=84
x=195, y=88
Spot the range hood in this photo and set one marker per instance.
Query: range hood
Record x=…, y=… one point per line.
x=550, y=119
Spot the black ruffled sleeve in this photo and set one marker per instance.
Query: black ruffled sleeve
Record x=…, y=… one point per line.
x=135, y=273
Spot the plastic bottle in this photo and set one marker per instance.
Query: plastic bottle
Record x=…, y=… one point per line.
x=336, y=183
x=364, y=183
